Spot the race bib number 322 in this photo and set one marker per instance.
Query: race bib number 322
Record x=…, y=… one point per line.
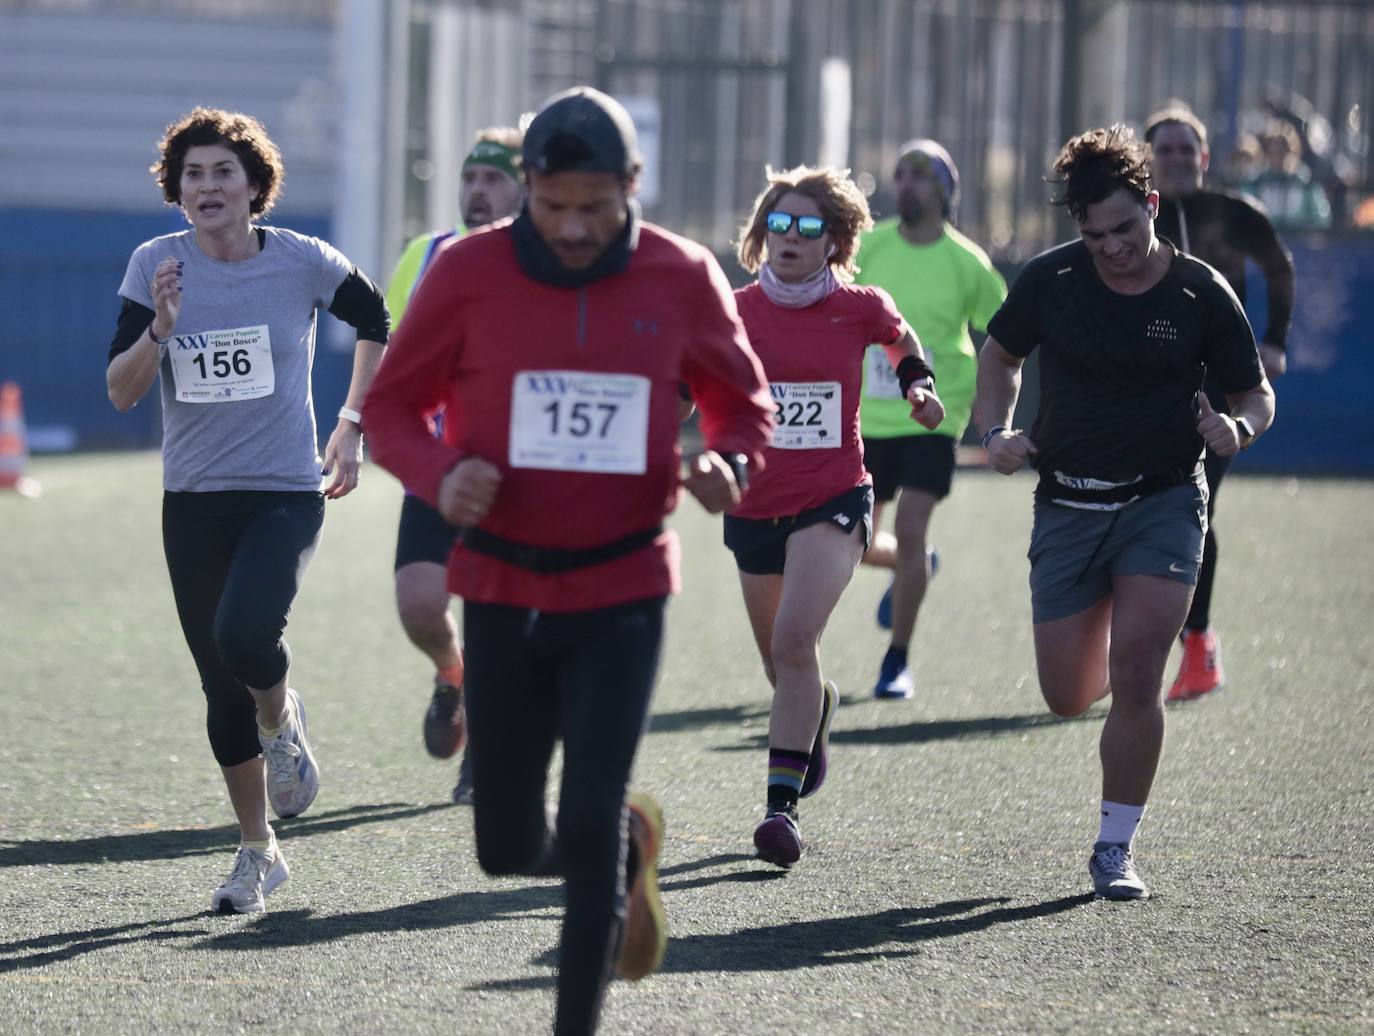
x=807, y=415
x=222, y=366
x=580, y=421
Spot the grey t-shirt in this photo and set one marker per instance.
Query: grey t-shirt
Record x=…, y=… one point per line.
x=237, y=411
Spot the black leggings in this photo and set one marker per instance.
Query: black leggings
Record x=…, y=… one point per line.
x=587, y=677
x=236, y=560
x=1199, y=617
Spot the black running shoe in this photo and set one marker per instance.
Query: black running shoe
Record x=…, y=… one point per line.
x=778, y=838
x=446, y=728
x=462, y=791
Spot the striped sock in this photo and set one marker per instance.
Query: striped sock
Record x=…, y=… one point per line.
x=786, y=772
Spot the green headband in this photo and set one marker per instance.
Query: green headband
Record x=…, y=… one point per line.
x=498, y=156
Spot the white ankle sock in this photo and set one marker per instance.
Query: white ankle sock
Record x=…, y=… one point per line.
x=1119, y=822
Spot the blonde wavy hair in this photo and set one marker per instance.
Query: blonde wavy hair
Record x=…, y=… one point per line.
x=843, y=207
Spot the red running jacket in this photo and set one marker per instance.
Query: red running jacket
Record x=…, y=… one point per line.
x=573, y=394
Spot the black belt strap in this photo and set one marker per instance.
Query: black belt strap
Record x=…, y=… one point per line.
x=547, y=560
x=1050, y=488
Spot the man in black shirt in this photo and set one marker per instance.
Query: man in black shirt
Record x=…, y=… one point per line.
x=1127, y=329
x=1223, y=230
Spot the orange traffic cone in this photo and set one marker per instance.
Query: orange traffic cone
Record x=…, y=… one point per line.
x=14, y=450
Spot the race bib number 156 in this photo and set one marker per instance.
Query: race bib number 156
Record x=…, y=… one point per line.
x=222, y=366
x=580, y=421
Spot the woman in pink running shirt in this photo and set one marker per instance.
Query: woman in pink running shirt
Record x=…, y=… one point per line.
x=806, y=520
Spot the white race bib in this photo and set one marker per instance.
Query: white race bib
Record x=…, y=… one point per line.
x=880, y=379
x=807, y=414
x=222, y=366
x=578, y=421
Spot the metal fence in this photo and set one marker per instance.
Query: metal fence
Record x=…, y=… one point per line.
x=743, y=83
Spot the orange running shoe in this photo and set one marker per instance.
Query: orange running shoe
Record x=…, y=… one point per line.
x=646, y=929
x=1201, y=672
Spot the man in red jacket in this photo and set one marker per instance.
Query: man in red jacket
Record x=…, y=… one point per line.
x=557, y=343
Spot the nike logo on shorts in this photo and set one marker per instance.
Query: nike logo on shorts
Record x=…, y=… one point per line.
x=1174, y=568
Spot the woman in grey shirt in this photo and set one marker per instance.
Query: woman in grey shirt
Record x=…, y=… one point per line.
x=224, y=314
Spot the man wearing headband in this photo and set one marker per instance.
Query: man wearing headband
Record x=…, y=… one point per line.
x=490, y=190
x=942, y=282
x=557, y=344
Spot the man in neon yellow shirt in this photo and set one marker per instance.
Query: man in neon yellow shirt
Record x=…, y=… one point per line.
x=491, y=190
x=942, y=282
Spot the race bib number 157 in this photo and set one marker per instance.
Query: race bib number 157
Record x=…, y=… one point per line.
x=580, y=421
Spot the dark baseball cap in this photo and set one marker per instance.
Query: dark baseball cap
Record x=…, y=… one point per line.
x=581, y=130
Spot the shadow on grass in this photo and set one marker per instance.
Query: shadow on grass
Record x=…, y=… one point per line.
x=62, y=946
x=919, y=732
x=885, y=935
x=291, y=928
x=760, y=872
x=543, y=902
x=726, y=716
x=697, y=719
x=176, y=842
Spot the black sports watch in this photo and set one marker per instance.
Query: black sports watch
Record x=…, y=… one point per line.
x=739, y=465
x=1246, y=430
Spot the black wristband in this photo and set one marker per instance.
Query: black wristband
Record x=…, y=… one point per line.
x=912, y=370
x=739, y=464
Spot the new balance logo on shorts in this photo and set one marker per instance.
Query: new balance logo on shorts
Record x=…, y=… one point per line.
x=842, y=519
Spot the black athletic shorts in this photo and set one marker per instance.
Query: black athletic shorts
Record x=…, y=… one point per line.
x=760, y=544
x=423, y=535
x=924, y=462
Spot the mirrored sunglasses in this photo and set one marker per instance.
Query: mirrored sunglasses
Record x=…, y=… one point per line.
x=807, y=226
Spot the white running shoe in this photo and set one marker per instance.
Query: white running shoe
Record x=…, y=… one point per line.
x=254, y=877
x=1114, y=874
x=293, y=779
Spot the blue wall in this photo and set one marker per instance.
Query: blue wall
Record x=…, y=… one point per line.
x=1326, y=400
x=60, y=272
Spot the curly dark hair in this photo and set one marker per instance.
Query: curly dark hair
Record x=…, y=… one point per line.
x=843, y=207
x=242, y=134
x=1094, y=165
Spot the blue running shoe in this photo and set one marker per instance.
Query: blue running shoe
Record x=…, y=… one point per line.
x=894, y=680
x=885, y=605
